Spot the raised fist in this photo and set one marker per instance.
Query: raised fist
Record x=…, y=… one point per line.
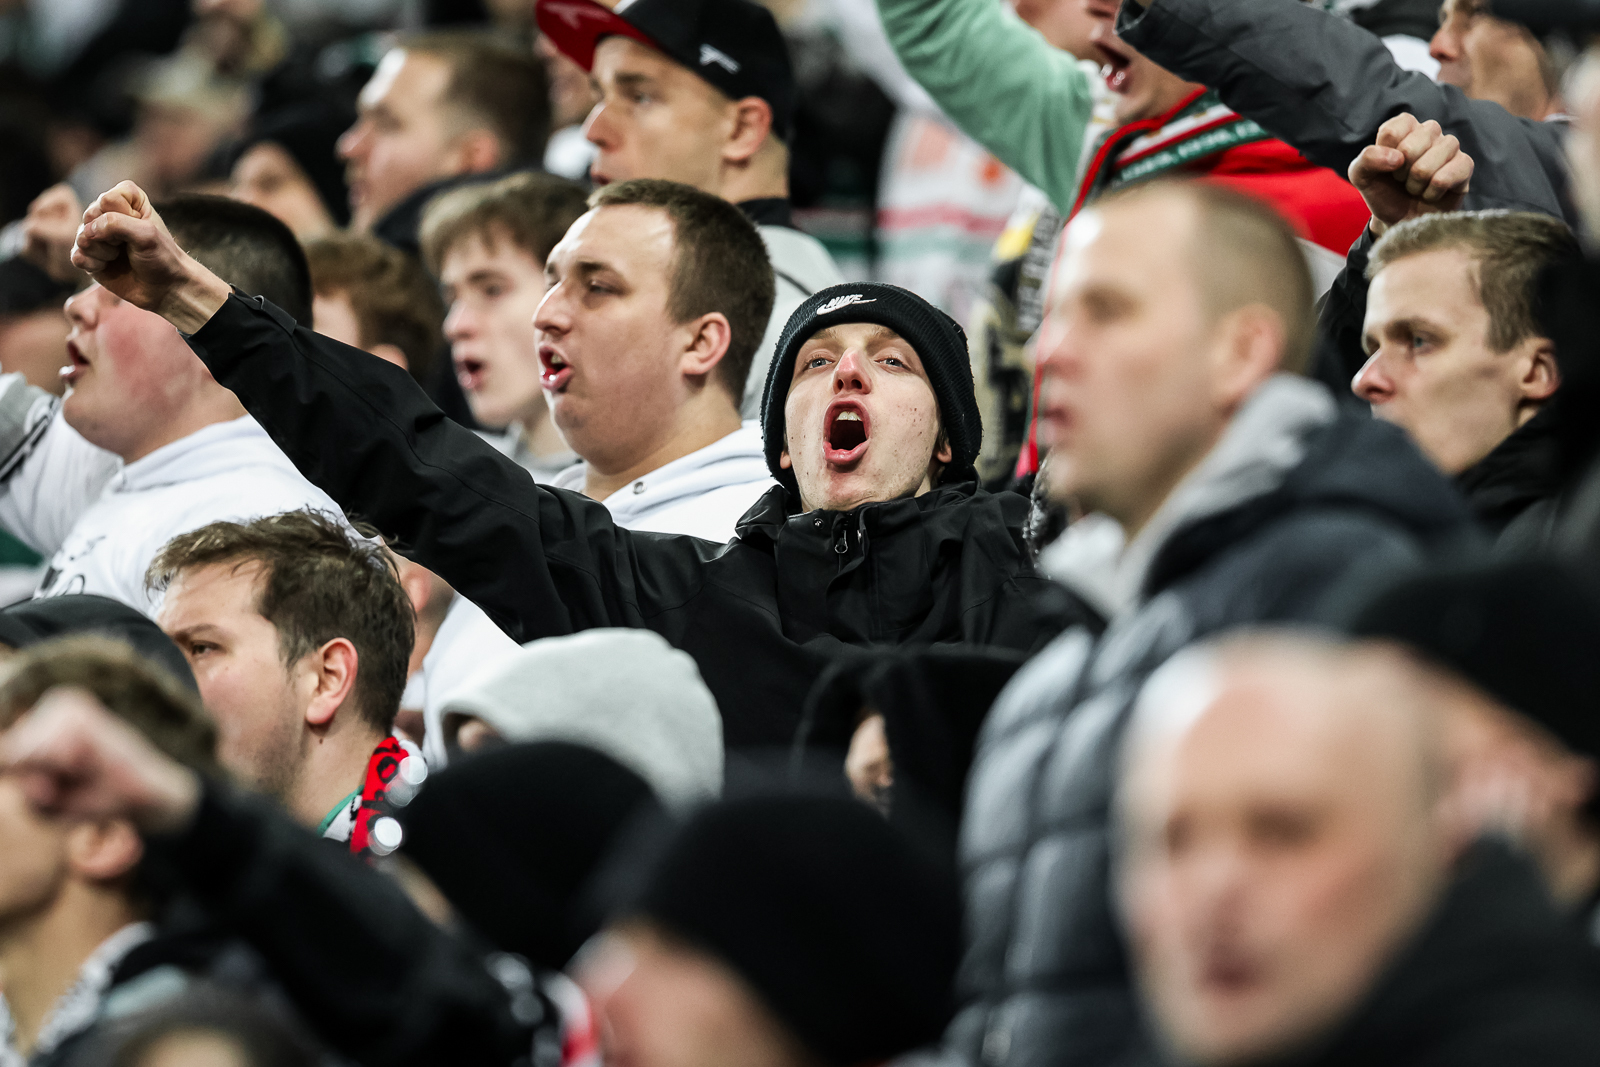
x=124, y=245
x=1412, y=169
x=74, y=758
x=48, y=232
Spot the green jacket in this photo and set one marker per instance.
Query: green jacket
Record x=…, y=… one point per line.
x=1026, y=101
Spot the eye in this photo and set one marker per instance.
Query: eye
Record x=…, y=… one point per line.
x=895, y=361
x=597, y=287
x=494, y=289
x=816, y=361
x=198, y=648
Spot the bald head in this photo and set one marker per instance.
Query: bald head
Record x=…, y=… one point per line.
x=1279, y=837
x=1239, y=251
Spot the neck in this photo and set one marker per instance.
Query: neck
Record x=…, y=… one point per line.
x=539, y=433
x=757, y=179
x=203, y=411
x=1135, y=515
x=40, y=957
x=703, y=420
x=335, y=766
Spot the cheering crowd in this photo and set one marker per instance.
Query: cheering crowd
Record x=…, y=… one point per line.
x=822, y=533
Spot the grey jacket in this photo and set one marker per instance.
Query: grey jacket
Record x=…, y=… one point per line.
x=1293, y=503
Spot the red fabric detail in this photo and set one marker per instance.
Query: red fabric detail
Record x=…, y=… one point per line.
x=381, y=769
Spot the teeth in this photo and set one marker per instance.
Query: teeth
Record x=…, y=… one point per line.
x=847, y=416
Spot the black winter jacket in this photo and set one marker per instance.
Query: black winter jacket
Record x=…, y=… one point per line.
x=1045, y=977
x=761, y=615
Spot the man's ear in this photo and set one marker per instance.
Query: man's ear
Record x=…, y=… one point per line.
x=784, y=461
x=1542, y=376
x=104, y=850
x=475, y=151
x=333, y=674
x=752, y=123
x=1249, y=351
x=708, y=340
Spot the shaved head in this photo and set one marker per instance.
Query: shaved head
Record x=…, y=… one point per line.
x=1279, y=839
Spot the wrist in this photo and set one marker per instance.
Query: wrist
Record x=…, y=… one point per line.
x=1377, y=227
x=191, y=303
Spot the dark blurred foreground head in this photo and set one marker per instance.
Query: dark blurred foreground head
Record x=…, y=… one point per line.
x=513, y=836
x=1300, y=885
x=27, y=623
x=778, y=931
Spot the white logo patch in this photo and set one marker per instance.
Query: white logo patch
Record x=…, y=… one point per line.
x=720, y=58
x=845, y=301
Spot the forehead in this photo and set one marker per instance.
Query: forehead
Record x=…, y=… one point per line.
x=488, y=249
x=852, y=334
x=616, y=57
x=1130, y=241
x=627, y=237
x=1441, y=281
x=211, y=592
x=406, y=78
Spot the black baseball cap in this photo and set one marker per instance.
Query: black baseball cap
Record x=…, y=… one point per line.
x=733, y=44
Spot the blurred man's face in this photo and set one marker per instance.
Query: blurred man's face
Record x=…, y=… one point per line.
x=1430, y=368
x=403, y=138
x=1127, y=403
x=1143, y=89
x=130, y=373
x=1583, y=142
x=861, y=419
x=608, y=346
x=494, y=289
x=34, y=344
x=655, y=119
x=258, y=702
x=35, y=851
x=1066, y=24
x=1490, y=59
x=268, y=177
x=661, y=1003
x=1277, y=852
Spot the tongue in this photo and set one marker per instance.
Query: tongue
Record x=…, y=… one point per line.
x=847, y=434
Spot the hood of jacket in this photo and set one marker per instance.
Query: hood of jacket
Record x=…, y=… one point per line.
x=799, y=259
x=1495, y=976
x=223, y=448
x=1522, y=470
x=736, y=459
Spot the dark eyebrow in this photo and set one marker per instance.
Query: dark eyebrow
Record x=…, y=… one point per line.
x=633, y=80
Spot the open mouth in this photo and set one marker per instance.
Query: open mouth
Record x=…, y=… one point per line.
x=1115, y=68
x=77, y=363
x=554, y=370
x=469, y=372
x=847, y=431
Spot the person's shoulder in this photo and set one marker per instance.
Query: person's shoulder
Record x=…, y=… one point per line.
x=799, y=259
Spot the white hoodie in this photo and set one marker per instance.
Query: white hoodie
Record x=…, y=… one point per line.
x=800, y=266
x=703, y=494
x=228, y=470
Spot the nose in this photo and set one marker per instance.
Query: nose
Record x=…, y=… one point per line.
x=80, y=307
x=598, y=127
x=459, y=324
x=1373, y=382
x=1444, y=46
x=1054, y=349
x=353, y=142
x=553, y=315
x=850, y=373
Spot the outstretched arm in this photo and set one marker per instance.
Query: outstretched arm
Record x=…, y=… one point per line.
x=540, y=562
x=1325, y=86
x=379, y=982
x=1024, y=100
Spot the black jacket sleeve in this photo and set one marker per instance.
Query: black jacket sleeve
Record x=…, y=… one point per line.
x=541, y=562
x=378, y=981
x=1325, y=85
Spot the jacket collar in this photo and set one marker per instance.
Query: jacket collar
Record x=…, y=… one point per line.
x=935, y=510
x=1522, y=469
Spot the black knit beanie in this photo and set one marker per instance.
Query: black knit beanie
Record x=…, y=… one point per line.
x=1526, y=632
x=310, y=134
x=513, y=836
x=938, y=340
x=848, y=934
x=28, y=622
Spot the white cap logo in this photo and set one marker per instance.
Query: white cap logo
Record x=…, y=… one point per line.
x=845, y=301
x=709, y=55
